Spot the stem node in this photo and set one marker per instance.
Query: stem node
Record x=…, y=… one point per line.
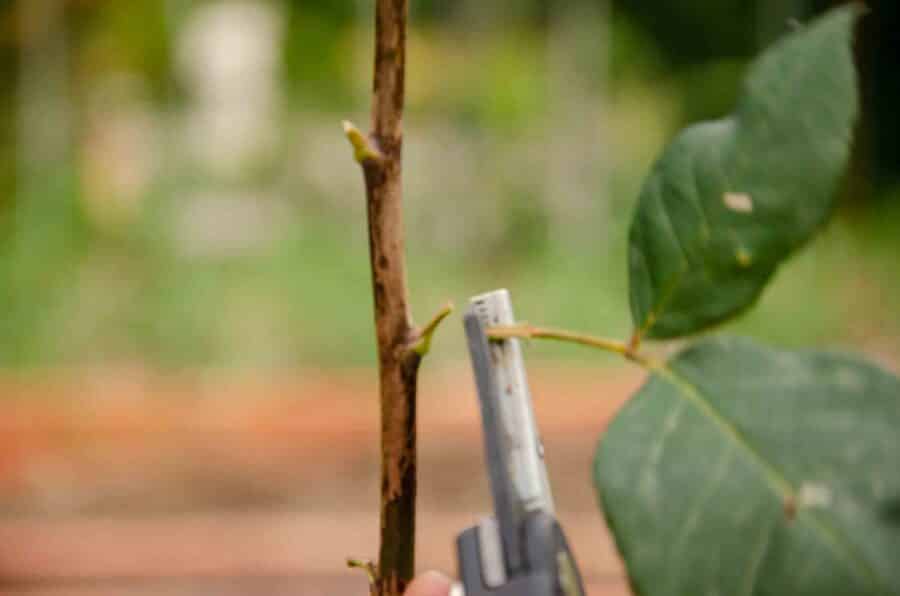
x=363, y=149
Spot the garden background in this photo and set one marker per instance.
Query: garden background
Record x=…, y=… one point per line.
x=186, y=339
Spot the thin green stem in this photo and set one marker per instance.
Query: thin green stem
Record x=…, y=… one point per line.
x=423, y=343
x=526, y=331
x=369, y=568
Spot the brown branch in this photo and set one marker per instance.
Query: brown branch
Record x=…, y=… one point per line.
x=401, y=345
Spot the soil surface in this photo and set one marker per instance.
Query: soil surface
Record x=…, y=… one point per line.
x=131, y=484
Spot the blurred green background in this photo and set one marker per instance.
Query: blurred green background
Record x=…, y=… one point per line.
x=175, y=190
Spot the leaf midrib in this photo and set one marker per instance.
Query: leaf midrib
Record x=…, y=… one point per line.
x=775, y=479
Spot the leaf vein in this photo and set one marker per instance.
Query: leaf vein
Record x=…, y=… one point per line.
x=755, y=563
x=697, y=508
x=775, y=479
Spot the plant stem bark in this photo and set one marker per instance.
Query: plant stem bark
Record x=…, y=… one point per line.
x=401, y=345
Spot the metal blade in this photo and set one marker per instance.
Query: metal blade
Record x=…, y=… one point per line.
x=521, y=440
x=507, y=510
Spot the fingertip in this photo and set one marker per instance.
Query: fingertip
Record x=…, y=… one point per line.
x=430, y=583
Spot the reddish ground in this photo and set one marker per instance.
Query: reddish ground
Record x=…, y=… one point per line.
x=126, y=484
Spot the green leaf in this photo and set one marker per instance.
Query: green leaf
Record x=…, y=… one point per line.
x=729, y=200
x=743, y=470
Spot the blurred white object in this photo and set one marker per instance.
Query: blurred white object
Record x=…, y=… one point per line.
x=227, y=59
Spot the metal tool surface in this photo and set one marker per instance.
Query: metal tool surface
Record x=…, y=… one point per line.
x=520, y=550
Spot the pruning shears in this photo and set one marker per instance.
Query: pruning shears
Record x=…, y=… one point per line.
x=520, y=550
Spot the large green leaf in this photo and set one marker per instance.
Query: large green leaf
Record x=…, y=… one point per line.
x=740, y=470
x=729, y=200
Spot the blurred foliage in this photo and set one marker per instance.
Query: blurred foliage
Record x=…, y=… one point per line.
x=123, y=37
x=314, y=57
x=490, y=118
x=45, y=238
x=691, y=31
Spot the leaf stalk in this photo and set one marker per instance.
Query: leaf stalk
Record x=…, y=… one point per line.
x=527, y=331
